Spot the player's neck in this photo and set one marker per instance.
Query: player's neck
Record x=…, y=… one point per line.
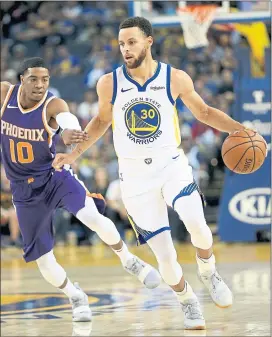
x=146, y=70
x=25, y=102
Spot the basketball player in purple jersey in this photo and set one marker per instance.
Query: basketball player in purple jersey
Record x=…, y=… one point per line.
x=30, y=120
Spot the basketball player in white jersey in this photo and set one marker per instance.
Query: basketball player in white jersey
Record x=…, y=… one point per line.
x=138, y=99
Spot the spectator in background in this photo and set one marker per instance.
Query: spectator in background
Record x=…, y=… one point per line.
x=191, y=71
x=88, y=108
x=19, y=53
x=65, y=63
x=214, y=76
x=48, y=55
x=99, y=69
x=10, y=76
x=100, y=181
x=224, y=40
x=73, y=107
x=214, y=51
x=72, y=10
x=227, y=82
x=228, y=61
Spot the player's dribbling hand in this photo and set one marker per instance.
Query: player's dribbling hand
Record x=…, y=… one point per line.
x=61, y=159
x=71, y=136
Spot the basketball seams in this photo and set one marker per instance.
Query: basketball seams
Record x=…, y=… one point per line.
x=237, y=136
x=254, y=141
x=259, y=149
x=235, y=147
x=242, y=158
x=254, y=156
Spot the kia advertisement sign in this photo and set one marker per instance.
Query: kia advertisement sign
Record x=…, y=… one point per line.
x=245, y=205
x=252, y=206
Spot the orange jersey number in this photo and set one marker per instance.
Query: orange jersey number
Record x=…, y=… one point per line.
x=23, y=157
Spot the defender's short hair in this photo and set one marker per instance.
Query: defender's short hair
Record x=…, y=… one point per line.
x=33, y=62
x=139, y=22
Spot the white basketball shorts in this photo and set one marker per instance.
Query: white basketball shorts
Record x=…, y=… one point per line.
x=148, y=185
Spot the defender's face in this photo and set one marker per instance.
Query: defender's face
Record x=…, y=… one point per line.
x=133, y=45
x=35, y=82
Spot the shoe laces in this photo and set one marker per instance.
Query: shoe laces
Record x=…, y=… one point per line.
x=214, y=278
x=192, y=310
x=135, y=267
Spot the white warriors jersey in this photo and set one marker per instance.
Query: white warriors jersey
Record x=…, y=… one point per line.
x=145, y=120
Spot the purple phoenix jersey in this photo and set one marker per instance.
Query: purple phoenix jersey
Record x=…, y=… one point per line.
x=28, y=149
x=28, y=143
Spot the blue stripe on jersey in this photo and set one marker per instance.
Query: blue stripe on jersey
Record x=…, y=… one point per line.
x=168, y=84
x=142, y=88
x=114, y=87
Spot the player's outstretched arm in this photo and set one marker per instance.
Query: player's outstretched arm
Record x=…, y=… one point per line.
x=203, y=112
x=97, y=126
x=59, y=111
x=4, y=90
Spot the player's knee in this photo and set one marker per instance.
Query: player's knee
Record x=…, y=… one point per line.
x=51, y=270
x=201, y=237
x=89, y=214
x=167, y=256
x=46, y=260
x=171, y=272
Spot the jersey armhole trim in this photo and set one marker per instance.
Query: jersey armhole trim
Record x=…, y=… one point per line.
x=7, y=99
x=114, y=87
x=168, y=84
x=44, y=119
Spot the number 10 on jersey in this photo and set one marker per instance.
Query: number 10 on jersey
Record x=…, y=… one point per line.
x=21, y=152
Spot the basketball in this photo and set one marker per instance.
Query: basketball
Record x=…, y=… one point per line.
x=244, y=151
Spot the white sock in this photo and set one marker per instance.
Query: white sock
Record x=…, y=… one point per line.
x=124, y=254
x=206, y=265
x=70, y=290
x=186, y=293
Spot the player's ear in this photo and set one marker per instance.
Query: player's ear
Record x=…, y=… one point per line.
x=150, y=40
x=22, y=79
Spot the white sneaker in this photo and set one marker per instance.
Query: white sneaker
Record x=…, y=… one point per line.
x=82, y=329
x=193, y=318
x=219, y=291
x=145, y=273
x=80, y=307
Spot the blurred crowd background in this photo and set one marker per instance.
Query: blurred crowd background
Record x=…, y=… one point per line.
x=78, y=41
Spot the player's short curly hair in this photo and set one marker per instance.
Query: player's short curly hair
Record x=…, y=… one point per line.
x=139, y=22
x=33, y=62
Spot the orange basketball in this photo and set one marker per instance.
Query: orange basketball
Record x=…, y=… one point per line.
x=244, y=151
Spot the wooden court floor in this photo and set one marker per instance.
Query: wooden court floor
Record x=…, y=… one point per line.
x=122, y=306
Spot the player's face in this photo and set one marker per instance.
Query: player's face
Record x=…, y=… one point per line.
x=134, y=45
x=35, y=82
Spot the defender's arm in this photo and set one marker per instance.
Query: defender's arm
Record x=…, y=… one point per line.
x=97, y=126
x=59, y=111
